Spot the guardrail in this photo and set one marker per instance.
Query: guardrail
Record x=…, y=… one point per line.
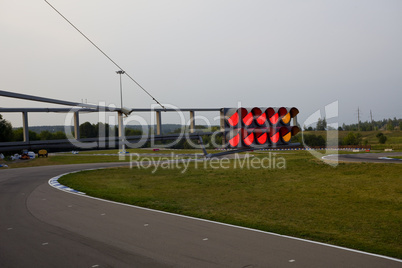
x=95, y=143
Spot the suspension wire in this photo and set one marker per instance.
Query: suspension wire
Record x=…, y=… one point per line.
x=105, y=54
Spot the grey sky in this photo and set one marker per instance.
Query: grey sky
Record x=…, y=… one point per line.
x=207, y=53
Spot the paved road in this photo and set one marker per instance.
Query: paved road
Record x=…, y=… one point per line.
x=41, y=226
x=369, y=157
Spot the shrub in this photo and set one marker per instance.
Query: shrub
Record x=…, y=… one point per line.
x=382, y=139
x=352, y=139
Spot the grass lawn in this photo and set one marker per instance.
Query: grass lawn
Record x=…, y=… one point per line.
x=62, y=160
x=353, y=205
x=147, y=151
x=85, y=157
x=394, y=138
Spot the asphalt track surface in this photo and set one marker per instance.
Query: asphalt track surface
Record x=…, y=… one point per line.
x=367, y=157
x=41, y=226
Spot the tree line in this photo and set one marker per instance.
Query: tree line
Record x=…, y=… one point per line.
x=385, y=124
x=87, y=130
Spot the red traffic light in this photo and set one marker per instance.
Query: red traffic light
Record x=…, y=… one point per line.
x=233, y=120
x=247, y=137
x=261, y=136
x=233, y=137
x=241, y=115
x=260, y=117
x=240, y=137
x=273, y=116
x=246, y=116
x=258, y=127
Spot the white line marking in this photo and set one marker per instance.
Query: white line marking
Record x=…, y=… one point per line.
x=44, y=244
x=291, y=260
x=325, y=157
x=96, y=265
x=205, y=239
x=103, y=214
x=146, y=224
x=8, y=229
x=223, y=224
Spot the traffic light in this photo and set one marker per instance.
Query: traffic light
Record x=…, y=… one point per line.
x=258, y=127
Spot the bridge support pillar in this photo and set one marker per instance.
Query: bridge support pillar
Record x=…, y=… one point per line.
x=76, y=125
x=158, y=123
x=192, y=122
x=122, y=144
x=25, y=127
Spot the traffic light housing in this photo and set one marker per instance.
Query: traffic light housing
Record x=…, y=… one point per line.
x=258, y=127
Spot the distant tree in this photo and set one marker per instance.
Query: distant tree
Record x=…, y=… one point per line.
x=390, y=126
x=365, y=142
x=314, y=140
x=18, y=135
x=88, y=130
x=321, y=124
x=33, y=136
x=352, y=139
x=59, y=135
x=102, y=130
x=6, y=130
x=395, y=122
x=381, y=138
x=200, y=127
x=400, y=125
x=45, y=135
x=132, y=132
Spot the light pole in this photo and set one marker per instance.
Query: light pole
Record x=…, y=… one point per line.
x=120, y=72
x=121, y=123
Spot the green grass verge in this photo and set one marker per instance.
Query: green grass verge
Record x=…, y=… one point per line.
x=148, y=151
x=62, y=160
x=394, y=138
x=69, y=158
x=352, y=205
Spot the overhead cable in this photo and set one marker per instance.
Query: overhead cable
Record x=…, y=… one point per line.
x=129, y=76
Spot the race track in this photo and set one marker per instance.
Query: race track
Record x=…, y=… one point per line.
x=41, y=226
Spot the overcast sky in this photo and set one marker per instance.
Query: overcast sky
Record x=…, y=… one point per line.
x=206, y=53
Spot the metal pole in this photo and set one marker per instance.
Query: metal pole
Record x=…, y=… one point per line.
x=120, y=116
x=121, y=87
